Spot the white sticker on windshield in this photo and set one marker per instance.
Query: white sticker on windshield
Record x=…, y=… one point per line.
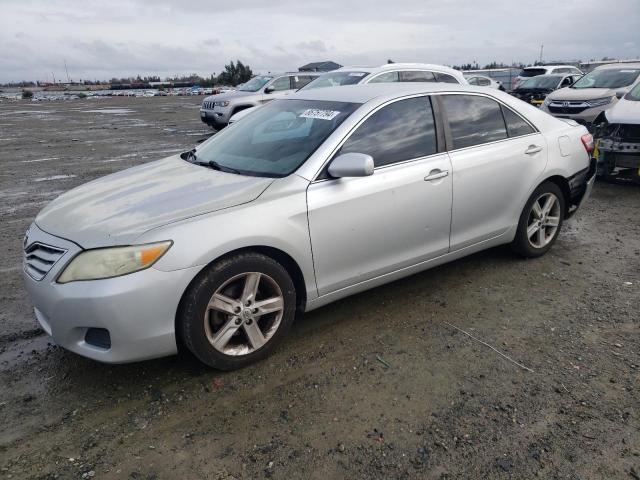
x=319, y=114
x=356, y=74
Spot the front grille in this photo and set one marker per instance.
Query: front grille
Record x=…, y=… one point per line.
x=207, y=105
x=40, y=258
x=568, y=109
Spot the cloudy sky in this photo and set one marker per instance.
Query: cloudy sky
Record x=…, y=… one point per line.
x=100, y=40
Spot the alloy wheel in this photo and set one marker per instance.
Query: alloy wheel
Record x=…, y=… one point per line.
x=244, y=313
x=544, y=220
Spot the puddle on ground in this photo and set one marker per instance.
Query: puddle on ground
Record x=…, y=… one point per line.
x=53, y=177
x=113, y=111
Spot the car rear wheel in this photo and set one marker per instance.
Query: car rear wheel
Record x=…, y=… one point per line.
x=540, y=221
x=237, y=311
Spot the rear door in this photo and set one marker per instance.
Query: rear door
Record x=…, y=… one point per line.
x=496, y=156
x=365, y=227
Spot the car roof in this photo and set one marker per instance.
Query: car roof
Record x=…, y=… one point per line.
x=398, y=66
x=620, y=66
x=363, y=93
x=550, y=66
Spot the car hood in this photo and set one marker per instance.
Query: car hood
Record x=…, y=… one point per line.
x=625, y=111
x=568, y=93
x=116, y=209
x=228, y=96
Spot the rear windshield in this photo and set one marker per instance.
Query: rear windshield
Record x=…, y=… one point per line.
x=541, y=81
x=608, y=78
x=533, y=72
x=336, y=79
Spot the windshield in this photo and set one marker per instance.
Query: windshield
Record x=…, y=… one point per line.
x=255, y=84
x=336, y=79
x=532, y=72
x=634, y=94
x=275, y=139
x=541, y=81
x=608, y=78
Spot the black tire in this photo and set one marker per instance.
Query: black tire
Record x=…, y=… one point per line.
x=191, y=317
x=521, y=244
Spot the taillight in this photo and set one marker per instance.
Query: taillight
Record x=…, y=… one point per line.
x=587, y=141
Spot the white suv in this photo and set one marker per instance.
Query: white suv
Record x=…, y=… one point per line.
x=546, y=70
x=392, y=72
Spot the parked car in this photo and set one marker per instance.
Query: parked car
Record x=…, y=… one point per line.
x=618, y=138
x=529, y=72
x=482, y=81
x=213, y=248
x=388, y=73
x=535, y=89
x=594, y=93
x=216, y=110
x=504, y=76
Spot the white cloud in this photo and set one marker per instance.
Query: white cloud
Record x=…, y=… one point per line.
x=167, y=37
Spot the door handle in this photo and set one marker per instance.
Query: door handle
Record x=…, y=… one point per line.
x=436, y=174
x=533, y=149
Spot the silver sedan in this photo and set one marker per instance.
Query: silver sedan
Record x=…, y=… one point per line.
x=307, y=200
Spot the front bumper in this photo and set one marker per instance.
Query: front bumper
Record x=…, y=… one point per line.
x=138, y=310
x=217, y=118
x=584, y=117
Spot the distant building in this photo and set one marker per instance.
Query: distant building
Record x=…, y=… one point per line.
x=319, y=67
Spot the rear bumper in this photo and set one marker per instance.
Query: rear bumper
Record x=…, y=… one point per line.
x=580, y=186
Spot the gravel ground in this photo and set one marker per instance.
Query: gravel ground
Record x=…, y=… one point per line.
x=380, y=385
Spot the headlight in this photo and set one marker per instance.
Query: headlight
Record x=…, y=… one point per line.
x=113, y=262
x=598, y=102
x=221, y=104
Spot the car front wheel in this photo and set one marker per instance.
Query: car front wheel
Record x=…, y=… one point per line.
x=237, y=311
x=540, y=221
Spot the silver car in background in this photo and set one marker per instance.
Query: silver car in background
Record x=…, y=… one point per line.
x=591, y=95
x=217, y=110
x=309, y=199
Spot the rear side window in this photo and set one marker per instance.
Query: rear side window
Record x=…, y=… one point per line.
x=445, y=78
x=484, y=82
x=516, y=126
x=473, y=120
x=386, y=78
x=532, y=72
x=401, y=131
x=417, y=76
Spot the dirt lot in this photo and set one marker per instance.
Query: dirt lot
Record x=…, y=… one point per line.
x=380, y=385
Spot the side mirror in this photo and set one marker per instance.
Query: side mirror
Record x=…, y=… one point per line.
x=269, y=89
x=620, y=93
x=351, y=165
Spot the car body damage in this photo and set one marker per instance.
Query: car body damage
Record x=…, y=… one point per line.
x=618, y=138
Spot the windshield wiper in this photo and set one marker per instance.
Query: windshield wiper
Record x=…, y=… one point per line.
x=223, y=168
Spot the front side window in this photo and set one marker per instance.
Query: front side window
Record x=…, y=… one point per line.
x=483, y=82
x=516, y=125
x=473, y=120
x=274, y=140
x=336, y=79
x=608, y=78
x=388, y=77
x=401, y=131
x=445, y=78
x=634, y=94
x=417, y=76
x=255, y=84
x=282, y=83
x=300, y=81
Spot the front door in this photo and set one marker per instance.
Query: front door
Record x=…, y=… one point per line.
x=365, y=227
